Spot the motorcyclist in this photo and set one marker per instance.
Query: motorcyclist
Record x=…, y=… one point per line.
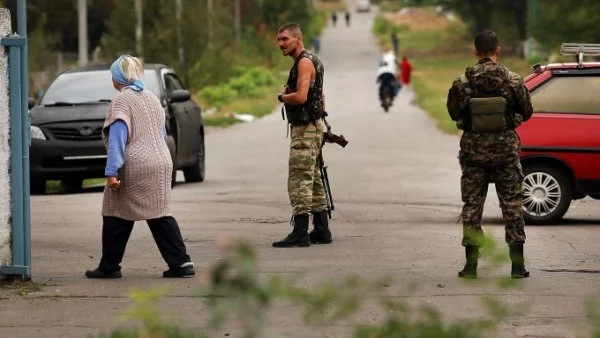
x=386, y=78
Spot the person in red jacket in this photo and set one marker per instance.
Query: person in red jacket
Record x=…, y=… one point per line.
x=405, y=69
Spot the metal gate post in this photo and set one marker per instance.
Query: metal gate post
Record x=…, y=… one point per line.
x=19, y=156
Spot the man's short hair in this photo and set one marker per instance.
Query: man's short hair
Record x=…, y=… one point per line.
x=290, y=27
x=486, y=42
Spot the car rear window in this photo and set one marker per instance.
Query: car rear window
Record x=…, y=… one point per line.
x=568, y=95
x=91, y=86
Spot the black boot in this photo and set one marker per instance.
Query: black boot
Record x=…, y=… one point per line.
x=97, y=273
x=518, y=261
x=321, y=233
x=298, y=236
x=470, y=269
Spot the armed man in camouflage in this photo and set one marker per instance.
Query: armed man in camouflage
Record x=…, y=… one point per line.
x=304, y=103
x=488, y=102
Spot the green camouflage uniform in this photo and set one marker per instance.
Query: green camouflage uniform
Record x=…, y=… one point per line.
x=305, y=187
x=486, y=157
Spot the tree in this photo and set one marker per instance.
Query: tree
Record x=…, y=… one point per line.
x=506, y=17
x=560, y=21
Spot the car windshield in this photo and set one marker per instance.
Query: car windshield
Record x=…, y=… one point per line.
x=89, y=87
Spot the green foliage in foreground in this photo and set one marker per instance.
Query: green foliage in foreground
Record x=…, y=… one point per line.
x=234, y=291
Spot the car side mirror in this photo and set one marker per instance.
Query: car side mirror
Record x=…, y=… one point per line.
x=180, y=95
x=30, y=102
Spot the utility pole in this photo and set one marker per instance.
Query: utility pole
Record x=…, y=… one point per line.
x=180, y=49
x=238, y=20
x=210, y=9
x=533, y=8
x=139, y=28
x=82, y=32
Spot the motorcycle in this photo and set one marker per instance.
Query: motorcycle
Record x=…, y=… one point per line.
x=386, y=97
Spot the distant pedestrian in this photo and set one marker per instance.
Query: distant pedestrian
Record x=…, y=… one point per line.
x=334, y=18
x=395, y=41
x=138, y=173
x=316, y=42
x=347, y=17
x=405, y=70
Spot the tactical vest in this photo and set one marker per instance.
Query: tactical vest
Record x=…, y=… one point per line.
x=485, y=114
x=312, y=109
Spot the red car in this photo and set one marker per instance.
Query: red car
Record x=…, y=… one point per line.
x=561, y=143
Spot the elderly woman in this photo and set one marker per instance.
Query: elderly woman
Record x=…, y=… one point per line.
x=138, y=172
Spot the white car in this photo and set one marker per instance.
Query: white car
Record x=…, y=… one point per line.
x=363, y=6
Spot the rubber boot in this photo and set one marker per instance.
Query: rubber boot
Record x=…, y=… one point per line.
x=518, y=261
x=298, y=236
x=470, y=269
x=321, y=233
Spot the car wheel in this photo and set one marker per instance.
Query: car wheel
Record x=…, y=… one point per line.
x=196, y=172
x=546, y=194
x=173, y=151
x=37, y=186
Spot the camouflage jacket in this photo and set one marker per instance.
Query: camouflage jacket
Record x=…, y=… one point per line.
x=488, y=79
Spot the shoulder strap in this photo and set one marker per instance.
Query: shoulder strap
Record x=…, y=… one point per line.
x=463, y=79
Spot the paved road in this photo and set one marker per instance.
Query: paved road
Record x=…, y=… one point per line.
x=397, y=200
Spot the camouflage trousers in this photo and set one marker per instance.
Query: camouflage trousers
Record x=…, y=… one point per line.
x=305, y=186
x=474, y=182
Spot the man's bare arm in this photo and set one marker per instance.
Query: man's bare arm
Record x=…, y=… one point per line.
x=306, y=70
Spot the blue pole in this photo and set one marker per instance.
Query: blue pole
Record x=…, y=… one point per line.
x=25, y=134
x=16, y=151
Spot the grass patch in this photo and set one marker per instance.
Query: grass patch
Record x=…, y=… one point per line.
x=391, y=6
x=261, y=103
x=22, y=288
x=440, y=51
x=57, y=187
x=330, y=5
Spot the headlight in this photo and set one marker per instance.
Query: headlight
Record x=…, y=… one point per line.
x=37, y=133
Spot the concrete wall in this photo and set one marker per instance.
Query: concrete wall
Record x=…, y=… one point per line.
x=5, y=210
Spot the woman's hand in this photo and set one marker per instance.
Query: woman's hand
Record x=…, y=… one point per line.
x=113, y=182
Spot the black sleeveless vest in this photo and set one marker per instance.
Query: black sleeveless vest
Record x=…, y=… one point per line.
x=312, y=109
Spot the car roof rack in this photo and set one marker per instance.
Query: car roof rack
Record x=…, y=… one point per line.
x=580, y=49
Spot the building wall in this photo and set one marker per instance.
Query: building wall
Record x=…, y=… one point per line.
x=5, y=210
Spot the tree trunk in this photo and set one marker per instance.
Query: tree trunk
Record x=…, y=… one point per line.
x=83, y=32
x=139, y=24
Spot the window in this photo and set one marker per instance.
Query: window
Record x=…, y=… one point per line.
x=172, y=83
x=568, y=95
x=89, y=87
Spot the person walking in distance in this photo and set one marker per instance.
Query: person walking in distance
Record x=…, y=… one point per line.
x=488, y=102
x=405, y=70
x=347, y=17
x=395, y=41
x=334, y=18
x=316, y=42
x=304, y=103
x=138, y=173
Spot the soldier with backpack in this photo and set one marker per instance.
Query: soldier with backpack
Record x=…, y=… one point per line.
x=488, y=102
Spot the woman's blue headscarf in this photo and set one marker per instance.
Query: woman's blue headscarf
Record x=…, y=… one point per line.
x=119, y=75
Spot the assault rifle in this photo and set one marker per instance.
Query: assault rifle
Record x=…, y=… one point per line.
x=329, y=137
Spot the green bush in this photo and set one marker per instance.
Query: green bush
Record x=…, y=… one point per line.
x=382, y=26
x=261, y=76
x=218, y=95
x=235, y=292
x=248, y=84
